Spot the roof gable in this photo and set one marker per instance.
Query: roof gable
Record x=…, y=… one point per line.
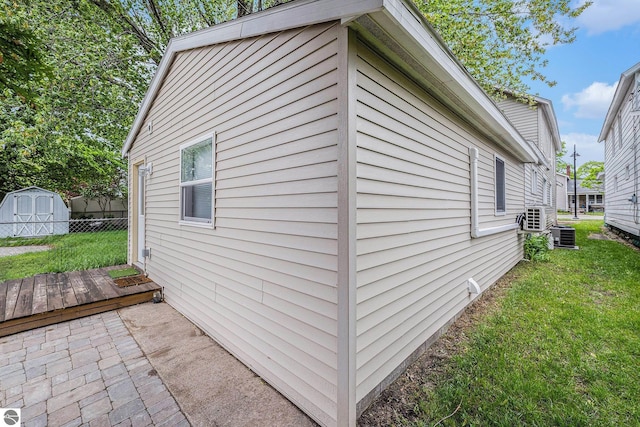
x=624, y=84
x=395, y=27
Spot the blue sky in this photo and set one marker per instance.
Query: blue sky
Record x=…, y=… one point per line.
x=587, y=71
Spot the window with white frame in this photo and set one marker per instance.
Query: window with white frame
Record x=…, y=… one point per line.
x=500, y=186
x=196, y=181
x=599, y=199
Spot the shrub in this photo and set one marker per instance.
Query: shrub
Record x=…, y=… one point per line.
x=536, y=248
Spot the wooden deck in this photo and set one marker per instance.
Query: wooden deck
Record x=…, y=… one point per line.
x=57, y=297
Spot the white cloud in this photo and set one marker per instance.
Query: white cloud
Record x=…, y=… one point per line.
x=586, y=145
x=592, y=102
x=609, y=15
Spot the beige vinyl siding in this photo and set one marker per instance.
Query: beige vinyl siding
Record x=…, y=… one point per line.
x=522, y=116
x=263, y=281
x=414, y=250
x=619, y=211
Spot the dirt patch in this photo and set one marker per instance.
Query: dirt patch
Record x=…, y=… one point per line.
x=400, y=398
x=611, y=235
x=597, y=236
x=132, y=281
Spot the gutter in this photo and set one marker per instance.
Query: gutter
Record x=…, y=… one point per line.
x=476, y=231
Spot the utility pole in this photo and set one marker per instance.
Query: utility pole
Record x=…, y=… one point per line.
x=575, y=183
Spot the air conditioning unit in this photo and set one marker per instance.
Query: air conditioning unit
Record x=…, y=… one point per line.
x=536, y=220
x=564, y=237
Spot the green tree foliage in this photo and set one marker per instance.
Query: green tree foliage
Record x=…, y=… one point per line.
x=102, y=54
x=588, y=173
x=21, y=58
x=502, y=42
x=561, y=165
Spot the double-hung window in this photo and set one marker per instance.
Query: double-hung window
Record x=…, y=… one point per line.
x=196, y=181
x=500, y=186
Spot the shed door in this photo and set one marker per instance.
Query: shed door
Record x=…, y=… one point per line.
x=32, y=215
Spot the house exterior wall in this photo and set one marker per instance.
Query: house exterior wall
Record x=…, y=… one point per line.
x=540, y=180
x=414, y=249
x=83, y=207
x=621, y=163
x=263, y=281
x=523, y=117
x=562, y=192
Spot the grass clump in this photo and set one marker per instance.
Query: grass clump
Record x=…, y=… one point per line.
x=69, y=252
x=560, y=348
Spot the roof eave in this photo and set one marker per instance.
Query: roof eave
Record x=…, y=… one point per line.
x=406, y=29
x=626, y=78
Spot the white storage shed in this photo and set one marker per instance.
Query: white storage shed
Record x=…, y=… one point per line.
x=33, y=211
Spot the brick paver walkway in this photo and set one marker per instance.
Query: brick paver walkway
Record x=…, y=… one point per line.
x=86, y=372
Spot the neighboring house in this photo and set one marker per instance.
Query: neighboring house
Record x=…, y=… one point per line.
x=621, y=154
x=589, y=199
x=81, y=207
x=323, y=188
x=33, y=211
x=562, y=192
x=537, y=124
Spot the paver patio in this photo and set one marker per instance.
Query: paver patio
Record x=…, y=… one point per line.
x=84, y=372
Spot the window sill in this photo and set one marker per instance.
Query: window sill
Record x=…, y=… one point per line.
x=197, y=224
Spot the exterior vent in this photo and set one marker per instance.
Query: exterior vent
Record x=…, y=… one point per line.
x=536, y=219
x=564, y=237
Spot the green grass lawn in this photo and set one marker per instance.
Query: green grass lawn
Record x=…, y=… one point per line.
x=562, y=347
x=70, y=252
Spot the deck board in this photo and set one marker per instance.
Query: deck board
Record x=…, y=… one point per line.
x=68, y=295
x=24, y=306
x=13, y=289
x=56, y=297
x=3, y=301
x=40, y=294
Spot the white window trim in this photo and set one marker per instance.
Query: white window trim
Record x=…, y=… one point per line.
x=193, y=222
x=495, y=185
x=619, y=131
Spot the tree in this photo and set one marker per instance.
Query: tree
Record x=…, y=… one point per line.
x=588, y=173
x=502, y=42
x=21, y=59
x=561, y=165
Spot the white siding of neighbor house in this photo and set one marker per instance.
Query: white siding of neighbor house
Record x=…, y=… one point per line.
x=414, y=250
x=263, y=281
x=618, y=154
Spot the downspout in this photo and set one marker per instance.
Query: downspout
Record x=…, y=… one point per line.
x=476, y=231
